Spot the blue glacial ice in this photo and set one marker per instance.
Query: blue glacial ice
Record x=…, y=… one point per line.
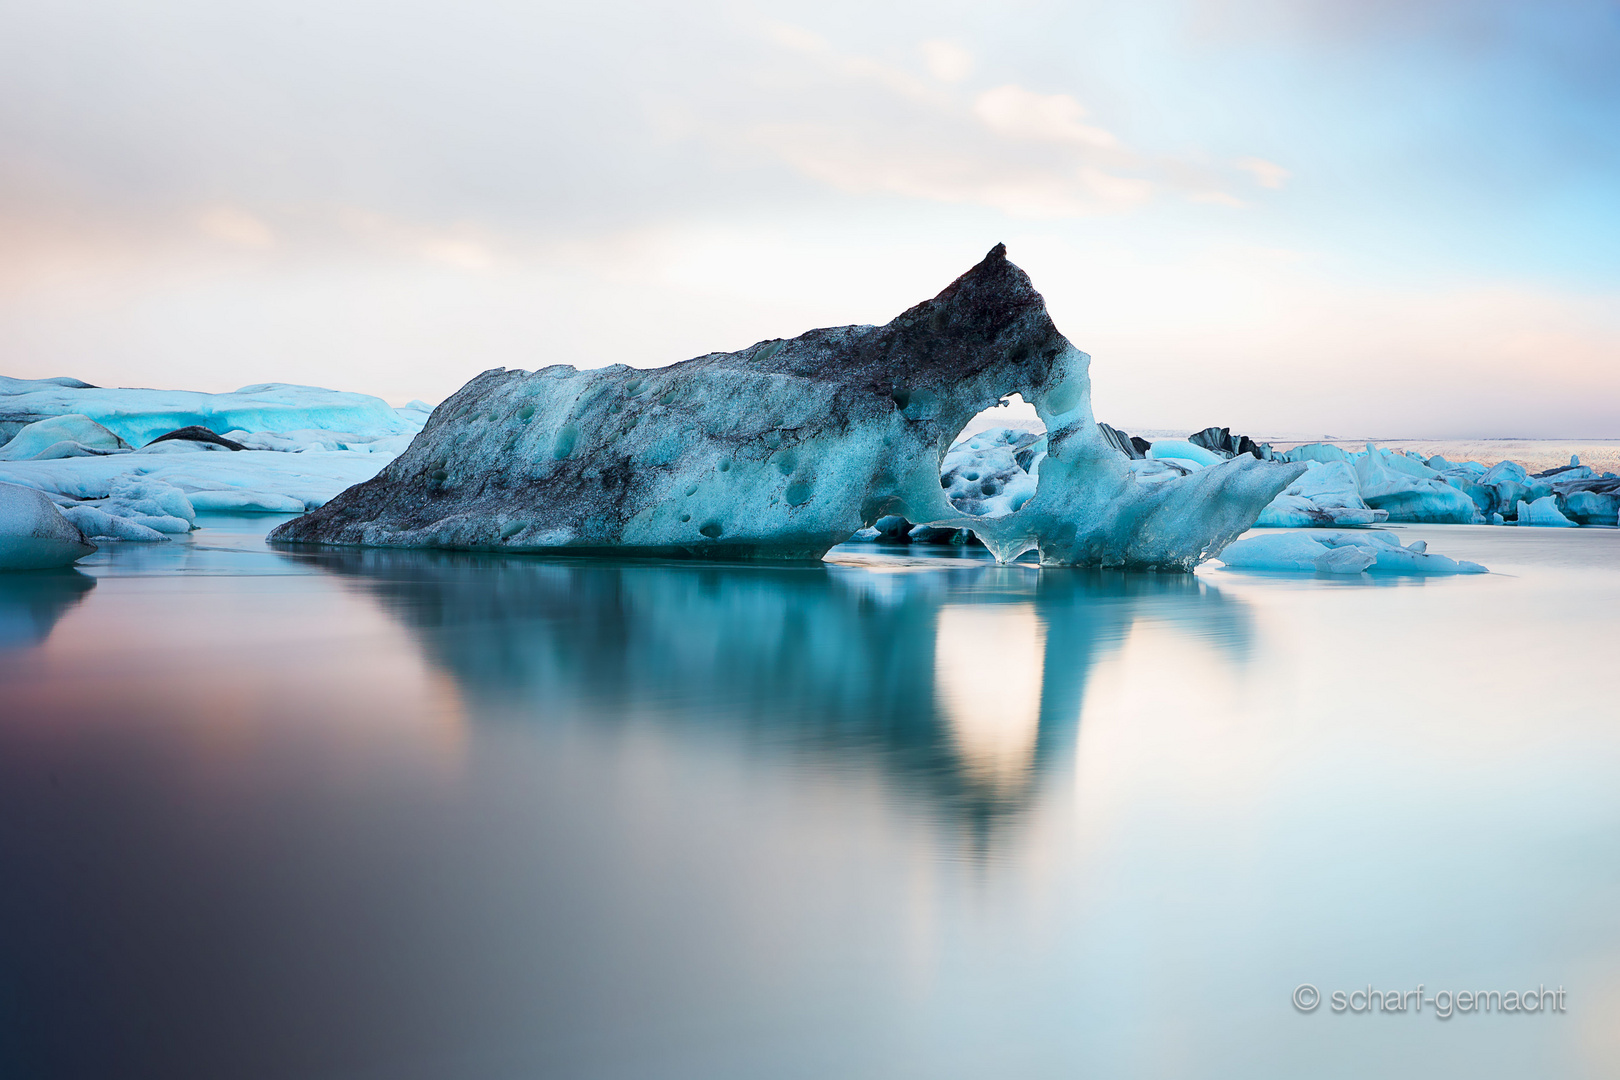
x=303, y=446
x=1183, y=452
x=138, y=415
x=994, y=472
x=1327, y=495
x=1408, y=487
x=67, y=435
x=1411, y=491
x=1543, y=512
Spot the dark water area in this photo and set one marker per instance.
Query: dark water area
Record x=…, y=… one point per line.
x=333, y=814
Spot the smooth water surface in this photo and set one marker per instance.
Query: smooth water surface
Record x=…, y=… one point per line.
x=398, y=815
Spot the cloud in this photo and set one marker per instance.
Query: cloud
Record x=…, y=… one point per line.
x=946, y=60
x=796, y=38
x=301, y=189
x=1115, y=190
x=1023, y=114
x=235, y=226
x=1267, y=174
x=863, y=126
x=459, y=247
x=1215, y=198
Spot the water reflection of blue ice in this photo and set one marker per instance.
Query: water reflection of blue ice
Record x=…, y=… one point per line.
x=964, y=677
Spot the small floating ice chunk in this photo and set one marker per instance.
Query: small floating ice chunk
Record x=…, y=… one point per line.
x=1292, y=551
x=1543, y=512
x=1377, y=552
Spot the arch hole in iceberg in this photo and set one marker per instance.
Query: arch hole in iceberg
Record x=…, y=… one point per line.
x=993, y=465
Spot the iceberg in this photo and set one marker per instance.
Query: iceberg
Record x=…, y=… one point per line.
x=98, y=523
x=1326, y=495
x=1505, y=485
x=1129, y=445
x=1223, y=442
x=33, y=533
x=1594, y=501
x=788, y=447
x=246, y=480
x=1411, y=491
x=68, y=435
x=1543, y=512
x=1405, y=486
x=72, y=441
x=1372, y=551
x=137, y=416
x=1323, y=452
x=994, y=472
x=1183, y=451
x=191, y=438
x=314, y=439
x=1293, y=551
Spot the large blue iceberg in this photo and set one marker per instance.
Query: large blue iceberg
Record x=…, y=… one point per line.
x=788, y=447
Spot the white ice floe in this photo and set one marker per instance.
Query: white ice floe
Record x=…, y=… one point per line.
x=1371, y=550
x=33, y=533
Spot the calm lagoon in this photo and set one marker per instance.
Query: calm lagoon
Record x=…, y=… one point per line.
x=280, y=813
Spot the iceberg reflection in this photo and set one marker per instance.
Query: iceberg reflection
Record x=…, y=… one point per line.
x=32, y=601
x=963, y=679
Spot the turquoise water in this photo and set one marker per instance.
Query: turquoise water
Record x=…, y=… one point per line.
x=402, y=815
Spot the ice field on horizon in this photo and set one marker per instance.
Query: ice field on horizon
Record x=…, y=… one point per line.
x=119, y=464
x=90, y=450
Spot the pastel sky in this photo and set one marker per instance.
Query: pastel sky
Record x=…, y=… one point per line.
x=1364, y=217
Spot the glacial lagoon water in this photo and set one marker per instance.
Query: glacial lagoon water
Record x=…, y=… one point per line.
x=904, y=814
